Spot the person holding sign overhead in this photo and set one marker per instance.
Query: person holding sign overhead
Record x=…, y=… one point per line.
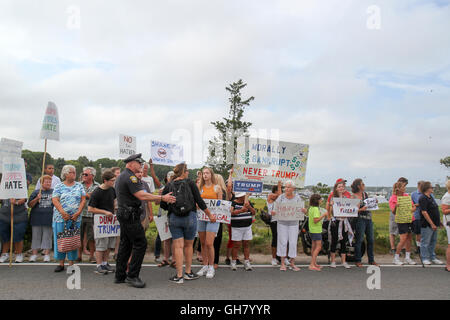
x=403, y=208
x=338, y=227
x=207, y=230
x=286, y=209
x=431, y=221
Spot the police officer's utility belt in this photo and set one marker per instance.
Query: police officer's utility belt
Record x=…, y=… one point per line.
x=131, y=214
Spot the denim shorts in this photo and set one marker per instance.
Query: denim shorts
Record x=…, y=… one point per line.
x=206, y=226
x=183, y=227
x=19, y=230
x=316, y=236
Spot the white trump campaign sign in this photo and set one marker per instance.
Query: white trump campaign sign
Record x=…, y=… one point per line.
x=168, y=154
x=127, y=145
x=270, y=161
x=221, y=209
x=9, y=149
x=106, y=226
x=50, y=125
x=14, y=180
x=345, y=208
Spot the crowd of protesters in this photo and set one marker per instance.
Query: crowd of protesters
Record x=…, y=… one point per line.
x=57, y=204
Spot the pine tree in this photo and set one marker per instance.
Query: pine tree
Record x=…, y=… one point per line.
x=223, y=148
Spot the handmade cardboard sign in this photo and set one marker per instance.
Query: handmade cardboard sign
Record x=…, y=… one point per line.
x=105, y=226
x=9, y=149
x=289, y=211
x=270, y=161
x=404, y=214
x=50, y=125
x=162, y=225
x=345, y=207
x=221, y=209
x=127, y=145
x=14, y=180
x=371, y=203
x=168, y=154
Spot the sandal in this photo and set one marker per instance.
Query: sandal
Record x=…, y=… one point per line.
x=283, y=268
x=294, y=268
x=173, y=265
x=164, y=263
x=314, y=268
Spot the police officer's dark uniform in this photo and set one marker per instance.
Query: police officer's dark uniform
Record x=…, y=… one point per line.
x=132, y=234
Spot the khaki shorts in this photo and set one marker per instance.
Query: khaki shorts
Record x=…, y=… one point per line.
x=87, y=226
x=393, y=227
x=102, y=244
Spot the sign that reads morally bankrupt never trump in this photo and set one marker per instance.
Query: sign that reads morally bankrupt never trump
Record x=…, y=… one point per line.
x=270, y=161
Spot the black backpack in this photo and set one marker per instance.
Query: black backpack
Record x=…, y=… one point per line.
x=185, y=202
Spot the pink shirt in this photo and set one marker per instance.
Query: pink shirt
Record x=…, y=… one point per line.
x=393, y=202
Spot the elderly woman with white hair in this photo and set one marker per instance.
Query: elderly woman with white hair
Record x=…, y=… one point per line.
x=68, y=199
x=287, y=230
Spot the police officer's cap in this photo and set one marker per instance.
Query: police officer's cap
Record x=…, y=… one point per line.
x=135, y=157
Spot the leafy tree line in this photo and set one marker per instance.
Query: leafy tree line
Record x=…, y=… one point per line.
x=34, y=165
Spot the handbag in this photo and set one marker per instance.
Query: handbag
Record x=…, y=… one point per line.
x=69, y=239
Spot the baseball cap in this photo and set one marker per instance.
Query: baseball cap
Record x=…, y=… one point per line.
x=340, y=180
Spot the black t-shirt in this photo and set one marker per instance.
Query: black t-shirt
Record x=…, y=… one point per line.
x=128, y=185
x=243, y=219
x=103, y=199
x=430, y=206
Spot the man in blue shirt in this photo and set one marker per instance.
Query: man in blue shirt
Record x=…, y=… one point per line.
x=416, y=223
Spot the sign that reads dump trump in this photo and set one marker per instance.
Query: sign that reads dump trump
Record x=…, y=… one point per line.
x=106, y=226
x=270, y=161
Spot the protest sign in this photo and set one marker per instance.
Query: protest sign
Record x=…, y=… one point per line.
x=289, y=211
x=9, y=149
x=345, y=208
x=50, y=125
x=371, y=204
x=168, y=154
x=162, y=225
x=14, y=181
x=221, y=209
x=270, y=161
x=403, y=214
x=105, y=226
x=127, y=145
x=247, y=186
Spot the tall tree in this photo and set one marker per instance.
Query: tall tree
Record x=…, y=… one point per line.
x=446, y=162
x=223, y=147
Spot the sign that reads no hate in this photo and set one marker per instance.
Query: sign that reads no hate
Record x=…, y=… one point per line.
x=14, y=181
x=127, y=145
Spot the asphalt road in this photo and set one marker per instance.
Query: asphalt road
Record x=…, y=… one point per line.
x=38, y=281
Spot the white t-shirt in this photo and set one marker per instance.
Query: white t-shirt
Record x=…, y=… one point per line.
x=55, y=181
x=446, y=200
x=151, y=184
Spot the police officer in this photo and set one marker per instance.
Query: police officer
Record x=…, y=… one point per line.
x=130, y=193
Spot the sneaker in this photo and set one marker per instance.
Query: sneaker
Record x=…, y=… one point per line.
x=333, y=265
x=247, y=266
x=392, y=251
x=233, y=266
x=158, y=259
x=33, y=258
x=47, y=258
x=135, y=282
x=101, y=270
x=211, y=272
x=398, y=262
x=203, y=271
x=109, y=268
x=409, y=261
x=346, y=265
x=4, y=257
x=190, y=276
x=286, y=261
x=238, y=261
x=426, y=262
x=227, y=261
x=274, y=262
x=175, y=279
x=19, y=258
x=437, y=261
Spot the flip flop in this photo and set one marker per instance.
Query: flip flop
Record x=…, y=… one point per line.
x=294, y=268
x=164, y=263
x=283, y=268
x=314, y=268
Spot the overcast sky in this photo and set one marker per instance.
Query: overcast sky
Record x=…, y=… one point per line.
x=365, y=83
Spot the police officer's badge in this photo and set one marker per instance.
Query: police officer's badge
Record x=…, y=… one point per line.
x=133, y=179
